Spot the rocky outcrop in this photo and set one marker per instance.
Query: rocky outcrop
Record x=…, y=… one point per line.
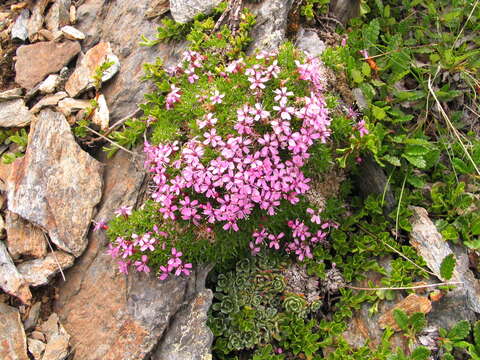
x=13, y=342
x=49, y=57
x=56, y=185
x=40, y=271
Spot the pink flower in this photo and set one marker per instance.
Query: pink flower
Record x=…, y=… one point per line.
x=100, y=225
x=361, y=127
x=274, y=240
x=142, y=265
x=125, y=211
x=175, y=260
x=344, y=41
x=282, y=94
x=172, y=97
x=254, y=249
x=216, y=98
x=123, y=266
x=183, y=269
x=113, y=251
x=315, y=216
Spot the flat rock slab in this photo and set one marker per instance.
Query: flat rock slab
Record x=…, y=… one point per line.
x=49, y=58
x=10, y=279
x=411, y=304
x=13, y=342
x=14, y=113
x=56, y=185
x=40, y=271
x=430, y=244
x=184, y=11
x=23, y=238
x=82, y=77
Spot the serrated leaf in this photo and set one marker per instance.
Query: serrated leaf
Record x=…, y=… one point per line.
x=460, y=331
x=401, y=319
x=378, y=112
x=392, y=160
x=417, y=161
x=416, y=150
x=460, y=166
x=418, y=321
x=447, y=266
x=415, y=181
x=420, y=353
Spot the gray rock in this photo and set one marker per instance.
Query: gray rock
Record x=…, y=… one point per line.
x=101, y=116
x=184, y=11
x=56, y=185
x=39, y=272
x=11, y=94
x=32, y=318
x=82, y=77
x=309, y=42
x=270, y=29
x=10, y=279
x=35, y=22
x=344, y=10
x=188, y=336
x=430, y=244
x=13, y=342
x=36, y=348
x=20, y=28
x=69, y=105
x=49, y=85
x=71, y=33
x=14, y=113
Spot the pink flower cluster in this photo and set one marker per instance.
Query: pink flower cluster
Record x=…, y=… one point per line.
x=301, y=243
x=250, y=168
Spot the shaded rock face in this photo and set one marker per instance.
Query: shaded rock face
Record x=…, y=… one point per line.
x=56, y=185
x=13, y=343
x=39, y=271
x=49, y=57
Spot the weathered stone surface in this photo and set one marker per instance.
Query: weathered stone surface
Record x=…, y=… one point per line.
x=57, y=339
x=101, y=116
x=100, y=21
x=11, y=94
x=36, y=348
x=71, y=33
x=40, y=271
x=23, y=238
x=157, y=8
x=13, y=343
x=36, y=20
x=56, y=185
x=126, y=316
x=14, y=113
x=82, y=77
x=49, y=85
x=50, y=100
x=49, y=57
x=344, y=10
x=430, y=244
x=31, y=321
x=188, y=336
x=269, y=31
x=411, y=304
x=10, y=279
x=20, y=28
x=184, y=11
x=360, y=98
x=70, y=105
x=58, y=15
x=309, y=42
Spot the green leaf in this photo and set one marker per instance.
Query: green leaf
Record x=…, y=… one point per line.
x=460, y=166
x=476, y=335
x=378, y=112
x=420, y=353
x=401, y=318
x=416, y=181
x=417, y=161
x=460, y=331
x=447, y=266
x=392, y=159
x=356, y=76
x=416, y=150
x=475, y=229
x=418, y=321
